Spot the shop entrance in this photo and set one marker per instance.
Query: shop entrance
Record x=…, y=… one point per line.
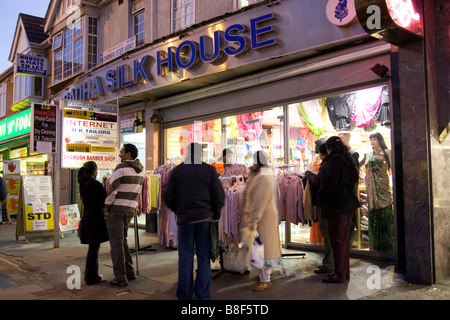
x=287, y=134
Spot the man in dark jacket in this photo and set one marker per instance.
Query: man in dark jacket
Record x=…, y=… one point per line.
x=196, y=195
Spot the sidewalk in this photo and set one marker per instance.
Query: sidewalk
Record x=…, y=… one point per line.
x=37, y=271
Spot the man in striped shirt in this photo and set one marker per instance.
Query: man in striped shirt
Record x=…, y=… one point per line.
x=121, y=205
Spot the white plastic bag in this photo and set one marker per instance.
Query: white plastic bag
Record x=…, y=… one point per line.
x=257, y=253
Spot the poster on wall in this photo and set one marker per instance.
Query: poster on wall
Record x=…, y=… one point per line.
x=90, y=132
x=69, y=217
x=38, y=203
x=43, y=128
x=11, y=171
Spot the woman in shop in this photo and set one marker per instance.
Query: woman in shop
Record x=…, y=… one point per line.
x=381, y=217
x=92, y=228
x=337, y=199
x=260, y=213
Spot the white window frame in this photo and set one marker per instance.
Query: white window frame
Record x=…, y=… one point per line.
x=69, y=68
x=92, y=58
x=24, y=87
x=177, y=5
x=138, y=12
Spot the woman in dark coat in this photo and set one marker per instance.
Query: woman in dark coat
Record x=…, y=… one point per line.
x=336, y=181
x=93, y=229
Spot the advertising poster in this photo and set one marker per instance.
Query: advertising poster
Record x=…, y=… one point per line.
x=90, y=132
x=38, y=203
x=69, y=217
x=11, y=170
x=43, y=128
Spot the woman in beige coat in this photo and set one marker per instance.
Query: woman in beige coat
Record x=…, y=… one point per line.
x=260, y=212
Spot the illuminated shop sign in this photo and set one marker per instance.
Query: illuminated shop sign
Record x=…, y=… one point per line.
x=394, y=21
x=90, y=132
x=234, y=41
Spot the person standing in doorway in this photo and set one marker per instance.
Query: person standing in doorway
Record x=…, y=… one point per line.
x=195, y=194
x=328, y=260
x=92, y=229
x=338, y=201
x=121, y=205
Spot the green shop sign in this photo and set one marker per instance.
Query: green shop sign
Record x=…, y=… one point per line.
x=16, y=125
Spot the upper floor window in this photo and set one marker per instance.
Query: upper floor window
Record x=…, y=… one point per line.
x=27, y=86
x=92, y=43
x=182, y=14
x=68, y=51
x=138, y=21
x=2, y=99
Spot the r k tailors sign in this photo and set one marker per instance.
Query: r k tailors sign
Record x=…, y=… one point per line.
x=190, y=54
x=90, y=132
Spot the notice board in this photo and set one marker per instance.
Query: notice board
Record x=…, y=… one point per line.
x=36, y=215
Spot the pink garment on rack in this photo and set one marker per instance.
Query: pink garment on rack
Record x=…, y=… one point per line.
x=366, y=106
x=291, y=198
x=248, y=121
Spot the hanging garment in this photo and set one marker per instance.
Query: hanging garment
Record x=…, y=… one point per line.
x=339, y=112
x=384, y=113
x=314, y=115
x=366, y=106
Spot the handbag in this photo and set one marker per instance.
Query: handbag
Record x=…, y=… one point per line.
x=214, y=252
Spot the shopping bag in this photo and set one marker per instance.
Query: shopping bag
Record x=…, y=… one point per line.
x=236, y=259
x=214, y=252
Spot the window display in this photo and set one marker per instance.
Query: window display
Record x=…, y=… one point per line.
x=355, y=116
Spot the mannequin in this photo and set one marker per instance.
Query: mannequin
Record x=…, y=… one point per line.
x=381, y=217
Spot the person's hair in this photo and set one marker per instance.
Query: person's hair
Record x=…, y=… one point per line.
x=318, y=143
x=335, y=145
x=259, y=159
x=323, y=149
x=85, y=172
x=380, y=139
x=131, y=148
x=225, y=151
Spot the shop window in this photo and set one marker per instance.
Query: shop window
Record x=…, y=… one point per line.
x=361, y=118
x=138, y=21
x=182, y=14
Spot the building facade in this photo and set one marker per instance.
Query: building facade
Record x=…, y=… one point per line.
x=273, y=75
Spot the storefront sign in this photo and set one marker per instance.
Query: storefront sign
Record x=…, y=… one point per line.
x=341, y=12
x=16, y=125
x=31, y=65
x=38, y=203
x=43, y=128
x=234, y=41
x=90, y=132
x=118, y=49
x=394, y=21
